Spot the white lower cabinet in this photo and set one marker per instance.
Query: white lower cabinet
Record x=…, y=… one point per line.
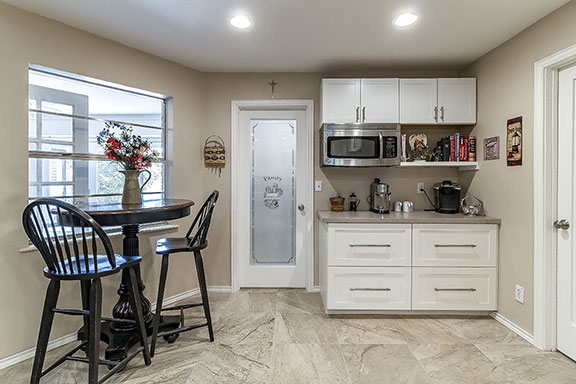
x=400, y=267
x=366, y=288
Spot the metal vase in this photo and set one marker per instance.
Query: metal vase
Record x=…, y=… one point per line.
x=132, y=194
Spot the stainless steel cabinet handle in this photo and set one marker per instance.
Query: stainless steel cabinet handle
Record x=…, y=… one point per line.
x=442, y=113
x=301, y=207
x=357, y=114
x=436, y=114
x=371, y=245
x=455, y=289
x=370, y=289
x=455, y=245
x=363, y=114
x=562, y=224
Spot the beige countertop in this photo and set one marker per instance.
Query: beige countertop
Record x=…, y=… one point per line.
x=416, y=217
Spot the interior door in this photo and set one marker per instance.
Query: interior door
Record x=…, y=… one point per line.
x=419, y=101
x=457, y=101
x=566, y=272
x=379, y=99
x=340, y=100
x=270, y=198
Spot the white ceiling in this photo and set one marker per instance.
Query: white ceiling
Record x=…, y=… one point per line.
x=302, y=35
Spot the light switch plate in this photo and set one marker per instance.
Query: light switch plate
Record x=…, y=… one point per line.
x=318, y=186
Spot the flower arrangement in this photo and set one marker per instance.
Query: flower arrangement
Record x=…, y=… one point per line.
x=131, y=151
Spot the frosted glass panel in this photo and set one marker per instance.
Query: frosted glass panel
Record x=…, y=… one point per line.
x=273, y=191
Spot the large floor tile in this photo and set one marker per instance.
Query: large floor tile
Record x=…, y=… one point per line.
x=483, y=330
x=309, y=364
x=366, y=330
x=290, y=301
x=417, y=330
x=383, y=364
x=304, y=328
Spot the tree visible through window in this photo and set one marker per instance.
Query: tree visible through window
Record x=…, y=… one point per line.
x=66, y=112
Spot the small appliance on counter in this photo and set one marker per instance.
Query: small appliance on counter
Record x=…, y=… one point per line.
x=472, y=206
x=447, y=197
x=354, y=202
x=379, y=198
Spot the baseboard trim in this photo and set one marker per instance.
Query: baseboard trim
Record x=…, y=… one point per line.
x=513, y=327
x=316, y=288
x=71, y=337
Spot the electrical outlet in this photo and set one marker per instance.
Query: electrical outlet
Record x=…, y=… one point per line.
x=519, y=295
x=420, y=187
x=318, y=186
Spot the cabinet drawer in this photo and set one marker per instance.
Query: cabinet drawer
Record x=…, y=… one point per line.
x=465, y=245
x=370, y=245
x=368, y=288
x=454, y=289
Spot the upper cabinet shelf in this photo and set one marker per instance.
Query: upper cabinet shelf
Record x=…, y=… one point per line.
x=461, y=165
x=405, y=101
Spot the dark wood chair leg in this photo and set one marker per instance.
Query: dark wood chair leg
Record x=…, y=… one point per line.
x=204, y=291
x=136, y=303
x=45, y=327
x=158, y=314
x=94, y=330
x=85, y=289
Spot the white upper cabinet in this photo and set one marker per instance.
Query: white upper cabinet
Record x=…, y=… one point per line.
x=457, y=101
x=379, y=101
x=418, y=101
x=340, y=99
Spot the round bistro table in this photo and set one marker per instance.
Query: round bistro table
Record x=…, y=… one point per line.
x=121, y=336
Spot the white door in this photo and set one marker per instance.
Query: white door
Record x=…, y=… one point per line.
x=419, y=101
x=379, y=99
x=566, y=278
x=340, y=100
x=271, y=198
x=457, y=101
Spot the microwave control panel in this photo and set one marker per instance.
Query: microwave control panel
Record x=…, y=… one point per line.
x=390, y=147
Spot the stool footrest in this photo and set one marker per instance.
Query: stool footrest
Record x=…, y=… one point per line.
x=83, y=312
x=64, y=358
x=183, y=306
x=181, y=329
x=109, y=363
x=121, y=364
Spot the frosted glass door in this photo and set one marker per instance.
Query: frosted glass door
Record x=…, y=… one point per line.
x=273, y=192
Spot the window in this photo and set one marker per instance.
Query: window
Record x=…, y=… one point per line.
x=66, y=113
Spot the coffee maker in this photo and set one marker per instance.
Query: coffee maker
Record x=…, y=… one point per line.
x=379, y=197
x=447, y=196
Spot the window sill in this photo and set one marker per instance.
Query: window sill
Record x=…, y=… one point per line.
x=117, y=233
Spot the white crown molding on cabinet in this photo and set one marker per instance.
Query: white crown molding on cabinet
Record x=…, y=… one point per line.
x=545, y=199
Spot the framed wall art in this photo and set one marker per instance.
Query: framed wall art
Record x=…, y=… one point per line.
x=492, y=148
x=514, y=142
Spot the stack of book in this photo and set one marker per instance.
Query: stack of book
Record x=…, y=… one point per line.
x=458, y=148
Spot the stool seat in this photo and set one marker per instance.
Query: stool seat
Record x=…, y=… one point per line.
x=98, y=266
x=177, y=244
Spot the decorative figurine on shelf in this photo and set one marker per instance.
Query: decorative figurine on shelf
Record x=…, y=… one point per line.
x=419, y=146
x=354, y=202
x=437, y=155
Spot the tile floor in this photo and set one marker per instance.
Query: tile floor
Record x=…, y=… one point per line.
x=283, y=336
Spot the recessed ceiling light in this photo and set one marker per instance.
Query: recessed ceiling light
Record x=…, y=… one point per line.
x=405, y=19
x=240, y=22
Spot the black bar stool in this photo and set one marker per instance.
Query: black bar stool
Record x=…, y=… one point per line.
x=62, y=233
x=194, y=244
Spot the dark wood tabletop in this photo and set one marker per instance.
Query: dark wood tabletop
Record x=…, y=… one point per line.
x=109, y=214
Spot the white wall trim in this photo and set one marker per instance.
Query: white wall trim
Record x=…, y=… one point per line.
x=545, y=194
x=242, y=105
x=71, y=337
x=513, y=327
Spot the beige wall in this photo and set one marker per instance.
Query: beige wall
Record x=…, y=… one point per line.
x=506, y=90
x=222, y=88
x=27, y=38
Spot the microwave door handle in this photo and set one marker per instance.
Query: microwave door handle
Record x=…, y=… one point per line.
x=381, y=146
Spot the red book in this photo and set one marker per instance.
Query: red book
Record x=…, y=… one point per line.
x=461, y=149
x=452, y=148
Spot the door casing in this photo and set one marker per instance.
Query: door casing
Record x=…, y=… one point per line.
x=259, y=105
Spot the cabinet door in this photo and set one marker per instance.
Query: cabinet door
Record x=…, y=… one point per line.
x=340, y=100
x=418, y=101
x=379, y=99
x=457, y=101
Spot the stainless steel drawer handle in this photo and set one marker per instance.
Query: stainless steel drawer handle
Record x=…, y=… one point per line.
x=371, y=245
x=370, y=289
x=455, y=245
x=455, y=289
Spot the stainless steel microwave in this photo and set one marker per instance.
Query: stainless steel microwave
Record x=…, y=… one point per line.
x=360, y=145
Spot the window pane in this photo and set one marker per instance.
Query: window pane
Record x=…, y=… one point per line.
x=55, y=177
x=105, y=102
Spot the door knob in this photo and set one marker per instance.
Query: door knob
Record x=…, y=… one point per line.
x=562, y=224
x=301, y=207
